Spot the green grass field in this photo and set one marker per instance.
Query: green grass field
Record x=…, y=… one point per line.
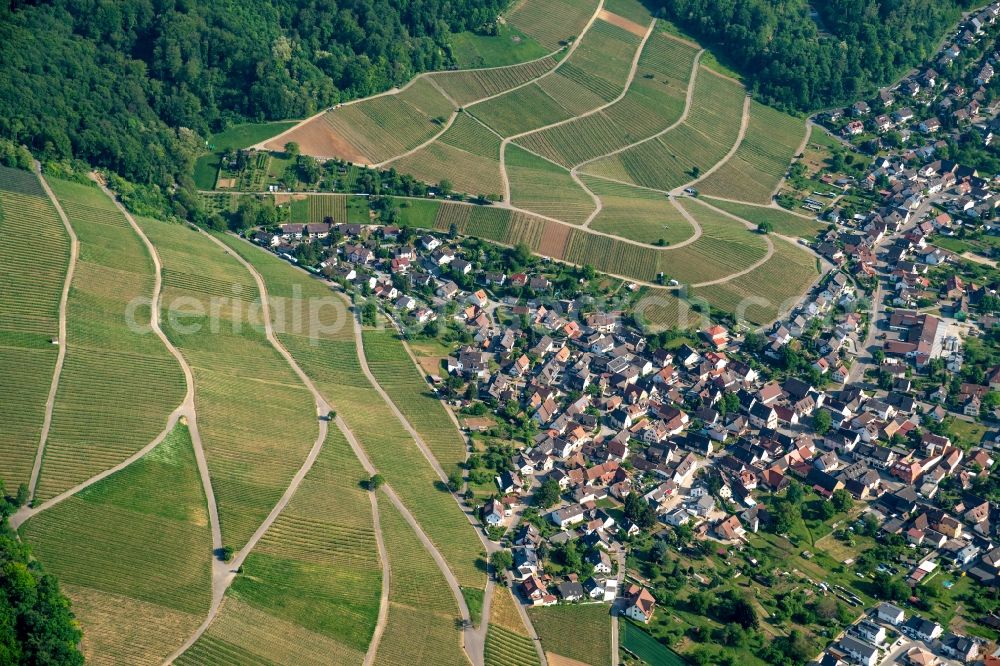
x=206, y=167
x=328, y=354
x=577, y=631
x=467, y=155
x=133, y=551
x=783, y=222
x=545, y=188
x=29, y=317
x=423, y=613
x=119, y=383
x=637, y=214
x=764, y=293
x=316, y=569
x=761, y=161
x=256, y=419
x=403, y=381
x=653, y=102
x=383, y=127
x=647, y=648
x=509, y=46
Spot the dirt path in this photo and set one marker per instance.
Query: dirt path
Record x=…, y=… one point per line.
x=224, y=573
x=798, y=151
x=74, y=253
x=744, y=122
x=383, y=606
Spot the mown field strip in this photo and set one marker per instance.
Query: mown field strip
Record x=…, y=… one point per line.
x=423, y=618
x=256, y=419
x=326, y=350
x=314, y=575
x=133, y=551
x=119, y=383
x=405, y=385
x=29, y=317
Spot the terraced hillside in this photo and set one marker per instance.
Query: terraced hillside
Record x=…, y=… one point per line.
x=132, y=552
x=29, y=316
x=251, y=456
x=310, y=589
x=596, y=135
x=119, y=383
x=326, y=350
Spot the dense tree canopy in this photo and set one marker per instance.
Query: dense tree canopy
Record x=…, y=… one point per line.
x=811, y=55
x=115, y=81
x=36, y=625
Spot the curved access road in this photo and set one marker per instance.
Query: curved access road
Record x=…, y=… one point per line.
x=74, y=253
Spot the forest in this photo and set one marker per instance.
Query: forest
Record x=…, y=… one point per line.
x=137, y=85
x=36, y=624
x=806, y=56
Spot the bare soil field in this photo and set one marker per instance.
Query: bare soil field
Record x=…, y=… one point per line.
x=317, y=138
x=622, y=22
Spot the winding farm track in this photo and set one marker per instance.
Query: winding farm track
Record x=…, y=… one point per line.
x=383, y=605
x=74, y=253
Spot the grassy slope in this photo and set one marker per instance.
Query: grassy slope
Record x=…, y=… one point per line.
x=316, y=570
x=256, y=418
x=134, y=554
